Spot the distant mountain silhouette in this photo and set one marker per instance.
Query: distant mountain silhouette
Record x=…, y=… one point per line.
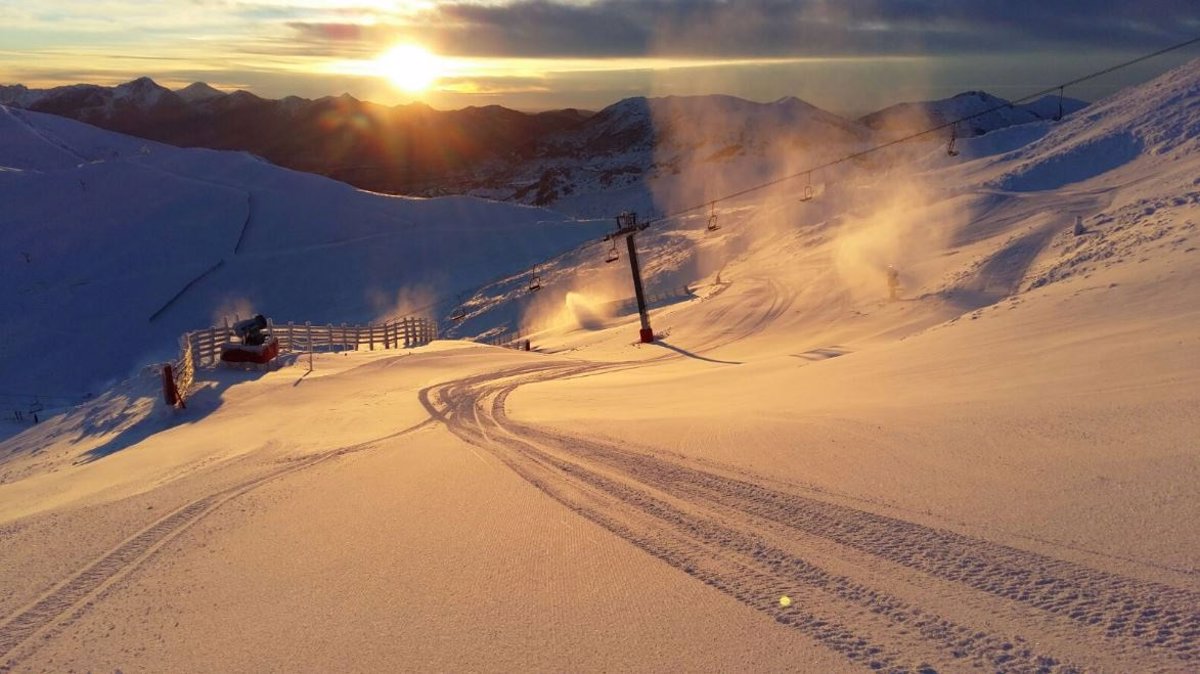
x=400, y=149
x=535, y=158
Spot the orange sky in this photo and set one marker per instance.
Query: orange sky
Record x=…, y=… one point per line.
x=537, y=54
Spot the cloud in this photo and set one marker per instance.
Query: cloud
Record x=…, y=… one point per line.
x=763, y=28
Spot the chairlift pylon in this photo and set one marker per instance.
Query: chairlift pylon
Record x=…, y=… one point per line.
x=712, y=219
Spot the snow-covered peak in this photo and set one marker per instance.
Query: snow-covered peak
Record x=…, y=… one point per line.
x=691, y=121
x=291, y=104
x=242, y=96
x=1050, y=107
x=986, y=112
x=199, y=91
x=142, y=92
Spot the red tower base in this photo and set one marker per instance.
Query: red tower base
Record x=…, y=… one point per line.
x=647, y=335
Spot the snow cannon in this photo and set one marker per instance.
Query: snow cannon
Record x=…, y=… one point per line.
x=255, y=343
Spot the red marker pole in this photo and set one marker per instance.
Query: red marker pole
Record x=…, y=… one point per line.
x=170, y=393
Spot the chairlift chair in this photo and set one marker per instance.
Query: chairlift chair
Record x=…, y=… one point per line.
x=712, y=219
x=807, y=195
x=458, y=314
x=612, y=255
x=950, y=149
x=535, y=283
x=1058, y=117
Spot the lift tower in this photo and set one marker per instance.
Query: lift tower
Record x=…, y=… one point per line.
x=627, y=227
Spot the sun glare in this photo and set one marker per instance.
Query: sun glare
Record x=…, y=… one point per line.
x=410, y=67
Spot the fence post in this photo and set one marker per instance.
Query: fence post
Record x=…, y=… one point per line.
x=371, y=336
x=308, y=327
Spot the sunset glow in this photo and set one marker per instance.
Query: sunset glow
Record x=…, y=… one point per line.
x=564, y=53
x=411, y=68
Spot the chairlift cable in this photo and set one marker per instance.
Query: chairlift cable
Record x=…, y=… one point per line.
x=850, y=157
x=933, y=129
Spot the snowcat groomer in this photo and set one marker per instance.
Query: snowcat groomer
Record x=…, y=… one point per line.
x=256, y=345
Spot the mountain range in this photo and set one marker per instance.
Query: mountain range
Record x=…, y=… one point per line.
x=535, y=158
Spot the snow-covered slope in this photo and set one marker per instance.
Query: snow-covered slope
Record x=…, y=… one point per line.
x=102, y=230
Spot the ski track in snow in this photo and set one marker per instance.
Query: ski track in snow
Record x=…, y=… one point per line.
x=734, y=535
x=58, y=608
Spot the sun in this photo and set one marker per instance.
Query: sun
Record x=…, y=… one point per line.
x=411, y=67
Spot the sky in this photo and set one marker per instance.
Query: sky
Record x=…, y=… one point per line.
x=848, y=56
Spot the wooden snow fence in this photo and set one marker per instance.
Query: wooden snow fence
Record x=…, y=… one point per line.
x=400, y=333
x=202, y=348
